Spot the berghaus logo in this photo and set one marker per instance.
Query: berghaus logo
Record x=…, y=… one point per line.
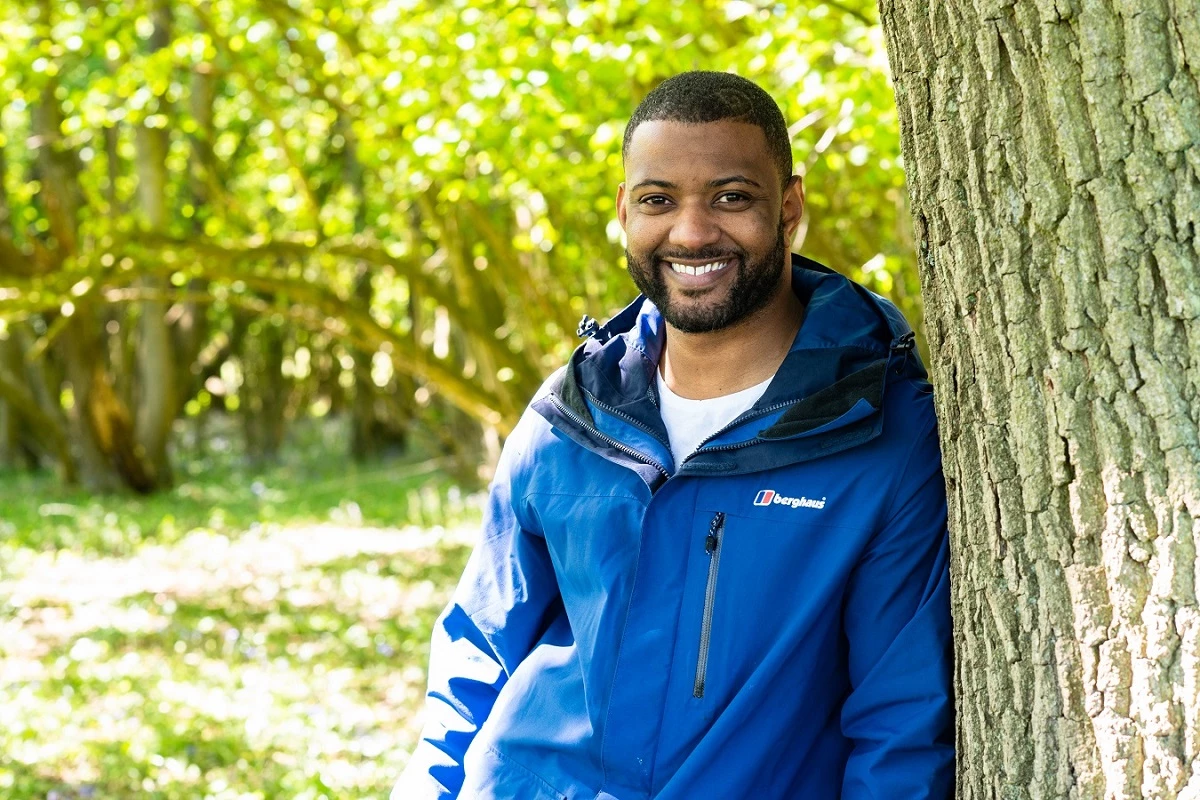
x=770, y=497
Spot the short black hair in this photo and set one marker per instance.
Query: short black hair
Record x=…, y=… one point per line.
x=697, y=97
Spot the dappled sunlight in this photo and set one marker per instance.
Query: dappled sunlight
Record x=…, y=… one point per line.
x=284, y=659
x=204, y=561
x=286, y=274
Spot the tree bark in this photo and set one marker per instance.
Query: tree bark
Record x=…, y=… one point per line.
x=35, y=428
x=99, y=422
x=58, y=169
x=189, y=321
x=264, y=391
x=156, y=378
x=1053, y=149
x=367, y=430
x=10, y=445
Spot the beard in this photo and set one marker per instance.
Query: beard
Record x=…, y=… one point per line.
x=752, y=289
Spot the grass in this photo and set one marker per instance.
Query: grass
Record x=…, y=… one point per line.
x=252, y=633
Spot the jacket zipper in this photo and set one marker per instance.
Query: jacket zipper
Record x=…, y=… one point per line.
x=752, y=416
x=748, y=416
x=592, y=429
x=622, y=415
x=712, y=546
x=904, y=345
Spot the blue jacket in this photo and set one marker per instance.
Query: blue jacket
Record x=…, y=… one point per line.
x=768, y=619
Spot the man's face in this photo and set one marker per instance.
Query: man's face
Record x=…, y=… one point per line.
x=707, y=222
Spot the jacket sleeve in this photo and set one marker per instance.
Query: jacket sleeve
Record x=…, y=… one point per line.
x=499, y=610
x=899, y=713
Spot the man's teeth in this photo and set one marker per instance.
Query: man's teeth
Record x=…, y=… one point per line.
x=700, y=270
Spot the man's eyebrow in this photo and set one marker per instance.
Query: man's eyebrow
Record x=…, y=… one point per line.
x=653, y=182
x=711, y=184
x=734, y=179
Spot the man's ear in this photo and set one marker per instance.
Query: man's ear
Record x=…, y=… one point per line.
x=621, y=204
x=793, y=205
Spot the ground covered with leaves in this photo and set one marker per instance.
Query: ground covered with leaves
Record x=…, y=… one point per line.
x=249, y=634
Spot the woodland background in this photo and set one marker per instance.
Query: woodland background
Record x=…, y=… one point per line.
x=276, y=278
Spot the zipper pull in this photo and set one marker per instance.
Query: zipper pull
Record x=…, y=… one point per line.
x=714, y=533
x=590, y=329
x=587, y=327
x=905, y=345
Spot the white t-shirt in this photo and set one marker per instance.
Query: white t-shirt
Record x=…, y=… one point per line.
x=690, y=422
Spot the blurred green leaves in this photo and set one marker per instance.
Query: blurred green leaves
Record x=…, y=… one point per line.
x=461, y=155
x=476, y=144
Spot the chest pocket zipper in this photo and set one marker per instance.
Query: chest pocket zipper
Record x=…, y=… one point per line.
x=712, y=546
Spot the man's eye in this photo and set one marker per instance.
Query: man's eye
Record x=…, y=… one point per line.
x=653, y=200
x=728, y=198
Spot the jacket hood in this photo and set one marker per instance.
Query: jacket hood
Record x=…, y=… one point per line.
x=831, y=382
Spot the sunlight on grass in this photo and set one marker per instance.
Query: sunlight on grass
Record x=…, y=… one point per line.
x=246, y=635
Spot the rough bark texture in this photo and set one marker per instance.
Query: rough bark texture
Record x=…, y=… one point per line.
x=1053, y=149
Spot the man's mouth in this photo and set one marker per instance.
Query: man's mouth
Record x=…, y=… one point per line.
x=699, y=269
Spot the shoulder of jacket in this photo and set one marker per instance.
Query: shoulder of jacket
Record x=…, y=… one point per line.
x=549, y=385
x=532, y=433
x=909, y=406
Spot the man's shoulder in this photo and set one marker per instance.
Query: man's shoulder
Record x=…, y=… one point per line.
x=548, y=387
x=533, y=433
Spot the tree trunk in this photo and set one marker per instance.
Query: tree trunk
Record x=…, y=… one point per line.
x=101, y=432
x=100, y=425
x=189, y=320
x=34, y=428
x=367, y=429
x=264, y=391
x=58, y=168
x=156, y=378
x=10, y=444
x=1053, y=149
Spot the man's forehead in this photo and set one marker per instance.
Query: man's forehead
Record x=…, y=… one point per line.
x=722, y=146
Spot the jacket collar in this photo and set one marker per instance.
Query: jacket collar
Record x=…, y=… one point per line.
x=835, y=371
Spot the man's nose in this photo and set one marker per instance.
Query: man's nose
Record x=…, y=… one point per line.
x=694, y=228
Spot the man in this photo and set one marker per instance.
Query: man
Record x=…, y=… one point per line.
x=715, y=561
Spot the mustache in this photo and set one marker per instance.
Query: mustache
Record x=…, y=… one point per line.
x=703, y=254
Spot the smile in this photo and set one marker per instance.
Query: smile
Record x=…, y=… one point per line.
x=703, y=269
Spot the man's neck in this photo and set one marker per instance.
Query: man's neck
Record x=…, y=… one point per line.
x=700, y=366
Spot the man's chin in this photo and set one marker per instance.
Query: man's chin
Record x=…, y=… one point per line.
x=690, y=317
x=694, y=292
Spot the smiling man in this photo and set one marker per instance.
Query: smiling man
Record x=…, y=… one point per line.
x=714, y=561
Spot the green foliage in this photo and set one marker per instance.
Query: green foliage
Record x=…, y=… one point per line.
x=466, y=152
x=245, y=634
x=220, y=492
x=248, y=635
